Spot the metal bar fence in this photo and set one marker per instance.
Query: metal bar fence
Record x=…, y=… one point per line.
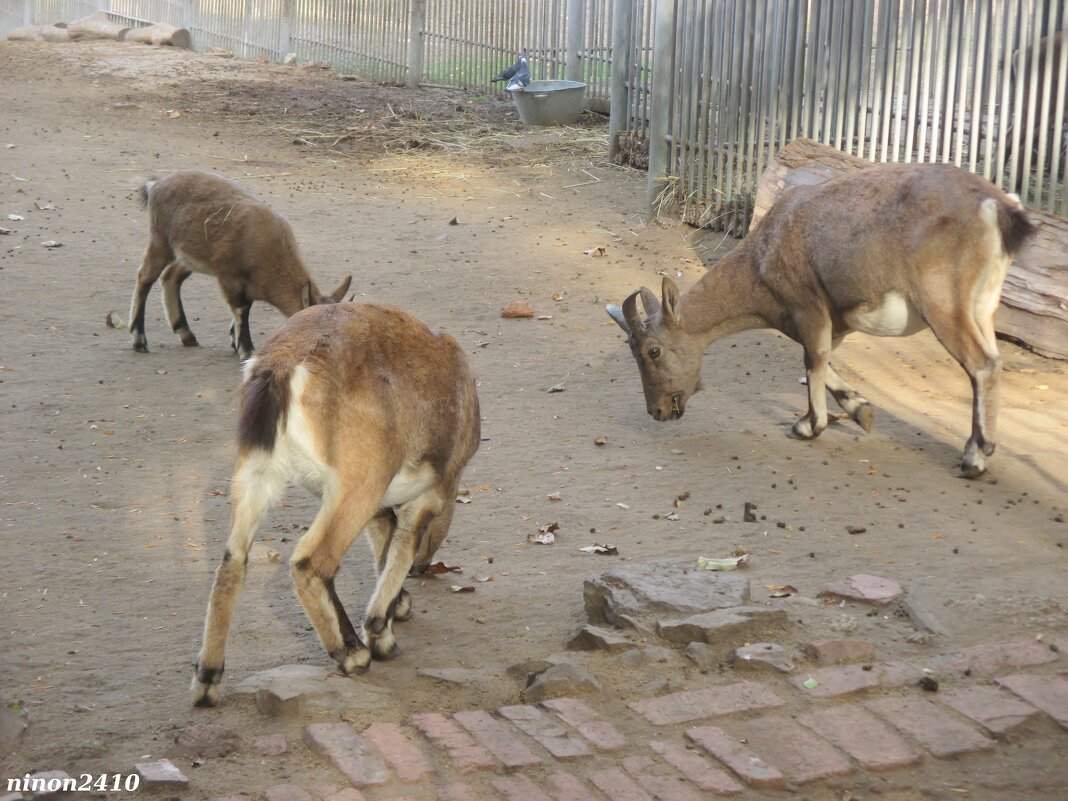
x=976, y=83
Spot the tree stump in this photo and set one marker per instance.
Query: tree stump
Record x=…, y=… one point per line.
x=96, y=26
x=1034, y=300
x=39, y=33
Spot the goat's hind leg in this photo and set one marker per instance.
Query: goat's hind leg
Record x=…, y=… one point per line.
x=315, y=562
x=380, y=534
x=258, y=482
x=852, y=402
x=172, y=279
x=413, y=520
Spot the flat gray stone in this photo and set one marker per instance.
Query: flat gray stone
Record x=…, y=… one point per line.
x=271, y=745
x=714, y=626
x=161, y=773
x=762, y=656
x=702, y=654
x=921, y=614
x=561, y=681
x=840, y=652
x=206, y=740
x=865, y=588
x=459, y=676
x=595, y=638
x=286, y=792
x=296, y=690
x=636, y=595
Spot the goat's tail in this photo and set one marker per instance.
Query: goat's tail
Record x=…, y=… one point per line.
x=143, y=192
x=1015, y=226
x=264, y=405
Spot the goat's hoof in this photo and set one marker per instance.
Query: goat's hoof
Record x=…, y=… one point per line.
x=354, y=661
x=972, y=470
x=803, y=429
x=190, y=341
x=865, y=416
x=140, y=347
x=385, y=647
x=403, y=610
x=204, y=693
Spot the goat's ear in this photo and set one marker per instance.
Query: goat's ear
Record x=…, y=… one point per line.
x=339, y=293
x=671, y=301
x=307, y=299
x=616, y=314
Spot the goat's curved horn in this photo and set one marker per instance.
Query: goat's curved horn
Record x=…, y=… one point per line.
x=650, y=302
x=630, y=312
x=616, y=314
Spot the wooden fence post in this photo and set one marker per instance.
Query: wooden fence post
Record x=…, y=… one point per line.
x=622, y=55
x=574, y=39
x=661, y=100
x=416, y=45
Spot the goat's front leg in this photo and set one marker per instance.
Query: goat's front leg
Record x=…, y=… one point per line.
x=852, y=402
x=314, y=564
x=154, y=263
x=816, y=340
x=254, y=488
x=413, y=520
x=380, y=534
x=172, y=279
x=240, y=306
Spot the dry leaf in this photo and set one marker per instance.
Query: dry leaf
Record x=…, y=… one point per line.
x=173, y=113
x=437, y=568
x=49, y=206
x=601, y=440
x=596, y=252
x=725, y=563
x=558, y=296
x=462, y=499
x=516, y=309
x=463, y=588
x=557, y=387
x=51, y=243
x=454, y=221
x=114, y=321
x=553, y=496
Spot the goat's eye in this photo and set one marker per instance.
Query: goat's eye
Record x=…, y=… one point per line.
x=654, y=352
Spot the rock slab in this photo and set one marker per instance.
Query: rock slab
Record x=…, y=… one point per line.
x=207, y=740
x=762, y=656
x=711, y=627
x=865, y=588
x=561, y=681
x=636, y=595
x=298, y=690
x=161, y=773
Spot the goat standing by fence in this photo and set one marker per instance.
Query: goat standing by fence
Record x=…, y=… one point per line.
x=888, y=250
x=375, y=414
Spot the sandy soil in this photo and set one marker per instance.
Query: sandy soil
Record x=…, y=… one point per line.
x=113, y=493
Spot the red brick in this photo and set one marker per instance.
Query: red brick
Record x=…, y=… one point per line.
x=709, y=702
x=799, y=754
x=993, y=709
x=518, y=788
x=465, y=754
x=750, y=768
x=566, y=787
x=603, y=735
x=405, y=756
x=457, y=791
x=696, y=768
x=994, y=658
x=286, y=792
x=863, y=736
x=618, y=786
x=840, y=652
x=547, y=732
x=1048, y=693
x=343, y=748
x=833, y=682
x=931, y=726
x=348, y=794
x=659, y=780
x=497, y=738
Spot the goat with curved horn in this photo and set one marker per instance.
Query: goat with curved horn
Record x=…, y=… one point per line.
x=888, y=250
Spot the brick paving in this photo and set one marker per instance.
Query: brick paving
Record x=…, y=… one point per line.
x=772, y=736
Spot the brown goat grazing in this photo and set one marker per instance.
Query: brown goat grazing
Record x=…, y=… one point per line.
x=375, y=414
x=203, y=223
x=888, y=250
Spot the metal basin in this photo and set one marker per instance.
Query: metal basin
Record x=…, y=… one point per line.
x=550, y=102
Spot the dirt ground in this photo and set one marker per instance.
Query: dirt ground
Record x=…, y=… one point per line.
x=115, y=464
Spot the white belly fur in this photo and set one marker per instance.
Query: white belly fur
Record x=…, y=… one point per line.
x=408, y=484
x=184, y=261
x=894, y=317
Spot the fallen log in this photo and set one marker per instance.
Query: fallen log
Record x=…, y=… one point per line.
x=161, y=33
x=96, y=26
x=39, y=33
x=1034, y=300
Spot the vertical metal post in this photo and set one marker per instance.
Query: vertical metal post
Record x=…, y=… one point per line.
x=415, y=43
x=622, y=53
x=574, y=38
x=660, y=101
x=27, y=12
x=285, y=28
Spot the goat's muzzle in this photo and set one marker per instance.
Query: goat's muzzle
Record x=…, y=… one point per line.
x=673, y=412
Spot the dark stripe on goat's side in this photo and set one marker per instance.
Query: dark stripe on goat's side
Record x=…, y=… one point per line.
x=264, y=402
x=1016, y=228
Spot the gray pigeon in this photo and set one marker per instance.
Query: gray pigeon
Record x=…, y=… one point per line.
x=517, y=75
